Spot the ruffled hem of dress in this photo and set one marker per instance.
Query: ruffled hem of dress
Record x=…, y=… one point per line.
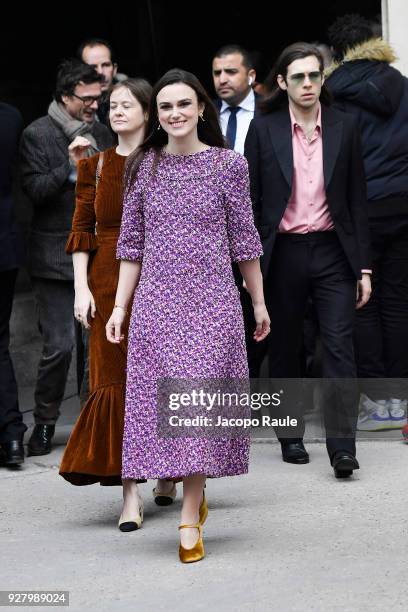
x=81, y=241
x=94, y=450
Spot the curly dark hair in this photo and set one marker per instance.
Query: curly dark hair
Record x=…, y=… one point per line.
x=347, y=32
x=72, y=72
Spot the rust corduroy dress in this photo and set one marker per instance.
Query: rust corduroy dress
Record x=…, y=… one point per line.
x=94, y=449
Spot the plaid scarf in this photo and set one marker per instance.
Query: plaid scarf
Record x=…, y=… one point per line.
x=72, y=127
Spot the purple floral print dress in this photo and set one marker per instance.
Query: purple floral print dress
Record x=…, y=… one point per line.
x=185, y=220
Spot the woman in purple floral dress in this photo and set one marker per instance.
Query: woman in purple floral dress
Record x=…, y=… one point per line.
x=185, y=219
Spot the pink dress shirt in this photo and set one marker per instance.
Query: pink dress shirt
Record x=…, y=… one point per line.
x=307, y=209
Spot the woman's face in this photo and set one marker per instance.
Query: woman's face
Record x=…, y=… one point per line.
x=125, y=112
x=178, y=110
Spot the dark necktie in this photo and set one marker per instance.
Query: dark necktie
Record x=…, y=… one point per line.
x=232, y=125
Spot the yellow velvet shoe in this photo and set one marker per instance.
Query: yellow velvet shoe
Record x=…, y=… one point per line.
x=203, y=511
x=191, y=555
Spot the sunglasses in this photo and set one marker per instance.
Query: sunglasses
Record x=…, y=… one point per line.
x=299, y=77
x=88, y=100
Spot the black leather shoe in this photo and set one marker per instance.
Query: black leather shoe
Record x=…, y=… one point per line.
x=294, y=452
x=12, y=453
x=343, y=464
x=40, y=440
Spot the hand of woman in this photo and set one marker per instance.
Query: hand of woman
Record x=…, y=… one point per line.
x=84, y=302
x=78, y=149
x=114, y=325
x=263, y=322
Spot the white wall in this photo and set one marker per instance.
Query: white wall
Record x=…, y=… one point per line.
x=395, y=30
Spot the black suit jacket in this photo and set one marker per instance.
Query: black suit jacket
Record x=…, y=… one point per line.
x=268, y=149
x=11, y=243
x=218, y=104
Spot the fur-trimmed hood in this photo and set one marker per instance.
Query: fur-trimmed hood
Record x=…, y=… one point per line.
x=366, y=79
x=374, y=50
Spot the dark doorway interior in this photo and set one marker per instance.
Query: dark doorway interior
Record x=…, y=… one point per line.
x=152, y=36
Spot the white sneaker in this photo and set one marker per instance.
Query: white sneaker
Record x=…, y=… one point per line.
x=374, y=415
x=398, y=412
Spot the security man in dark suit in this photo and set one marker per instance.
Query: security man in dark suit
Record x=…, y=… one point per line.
x=233, y=77
x=12, y=427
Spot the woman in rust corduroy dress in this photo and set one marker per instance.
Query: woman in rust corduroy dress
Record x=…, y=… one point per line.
x=94, y=450
x=93, y=453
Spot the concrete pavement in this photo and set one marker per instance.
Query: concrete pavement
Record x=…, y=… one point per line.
x=284, y=538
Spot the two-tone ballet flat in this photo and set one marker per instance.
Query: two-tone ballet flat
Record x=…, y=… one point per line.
x=133, y=524
x=165, y=499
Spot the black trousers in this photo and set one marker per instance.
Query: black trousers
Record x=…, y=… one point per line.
x=381, y=334
x=256, y=351
x=314, y=265
x=309, y=358
x=82, y=361
x=55, y=304
x=11, y=420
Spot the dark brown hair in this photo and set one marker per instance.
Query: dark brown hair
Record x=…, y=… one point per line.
x=209, y=130
x=277, y=97
x=71, y=73
x=347, y=32
x=96, y=42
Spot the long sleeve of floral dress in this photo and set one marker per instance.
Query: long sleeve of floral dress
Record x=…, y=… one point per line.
x=132, y=235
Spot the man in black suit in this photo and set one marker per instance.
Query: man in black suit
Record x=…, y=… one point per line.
x=233, y=77
x=48, y=174
x=308, y=191
x=12, y=427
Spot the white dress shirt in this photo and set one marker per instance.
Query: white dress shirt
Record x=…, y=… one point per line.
x=244, y=118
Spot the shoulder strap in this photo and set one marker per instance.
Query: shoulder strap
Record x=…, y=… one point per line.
x=99, y=169
x=98, y=177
